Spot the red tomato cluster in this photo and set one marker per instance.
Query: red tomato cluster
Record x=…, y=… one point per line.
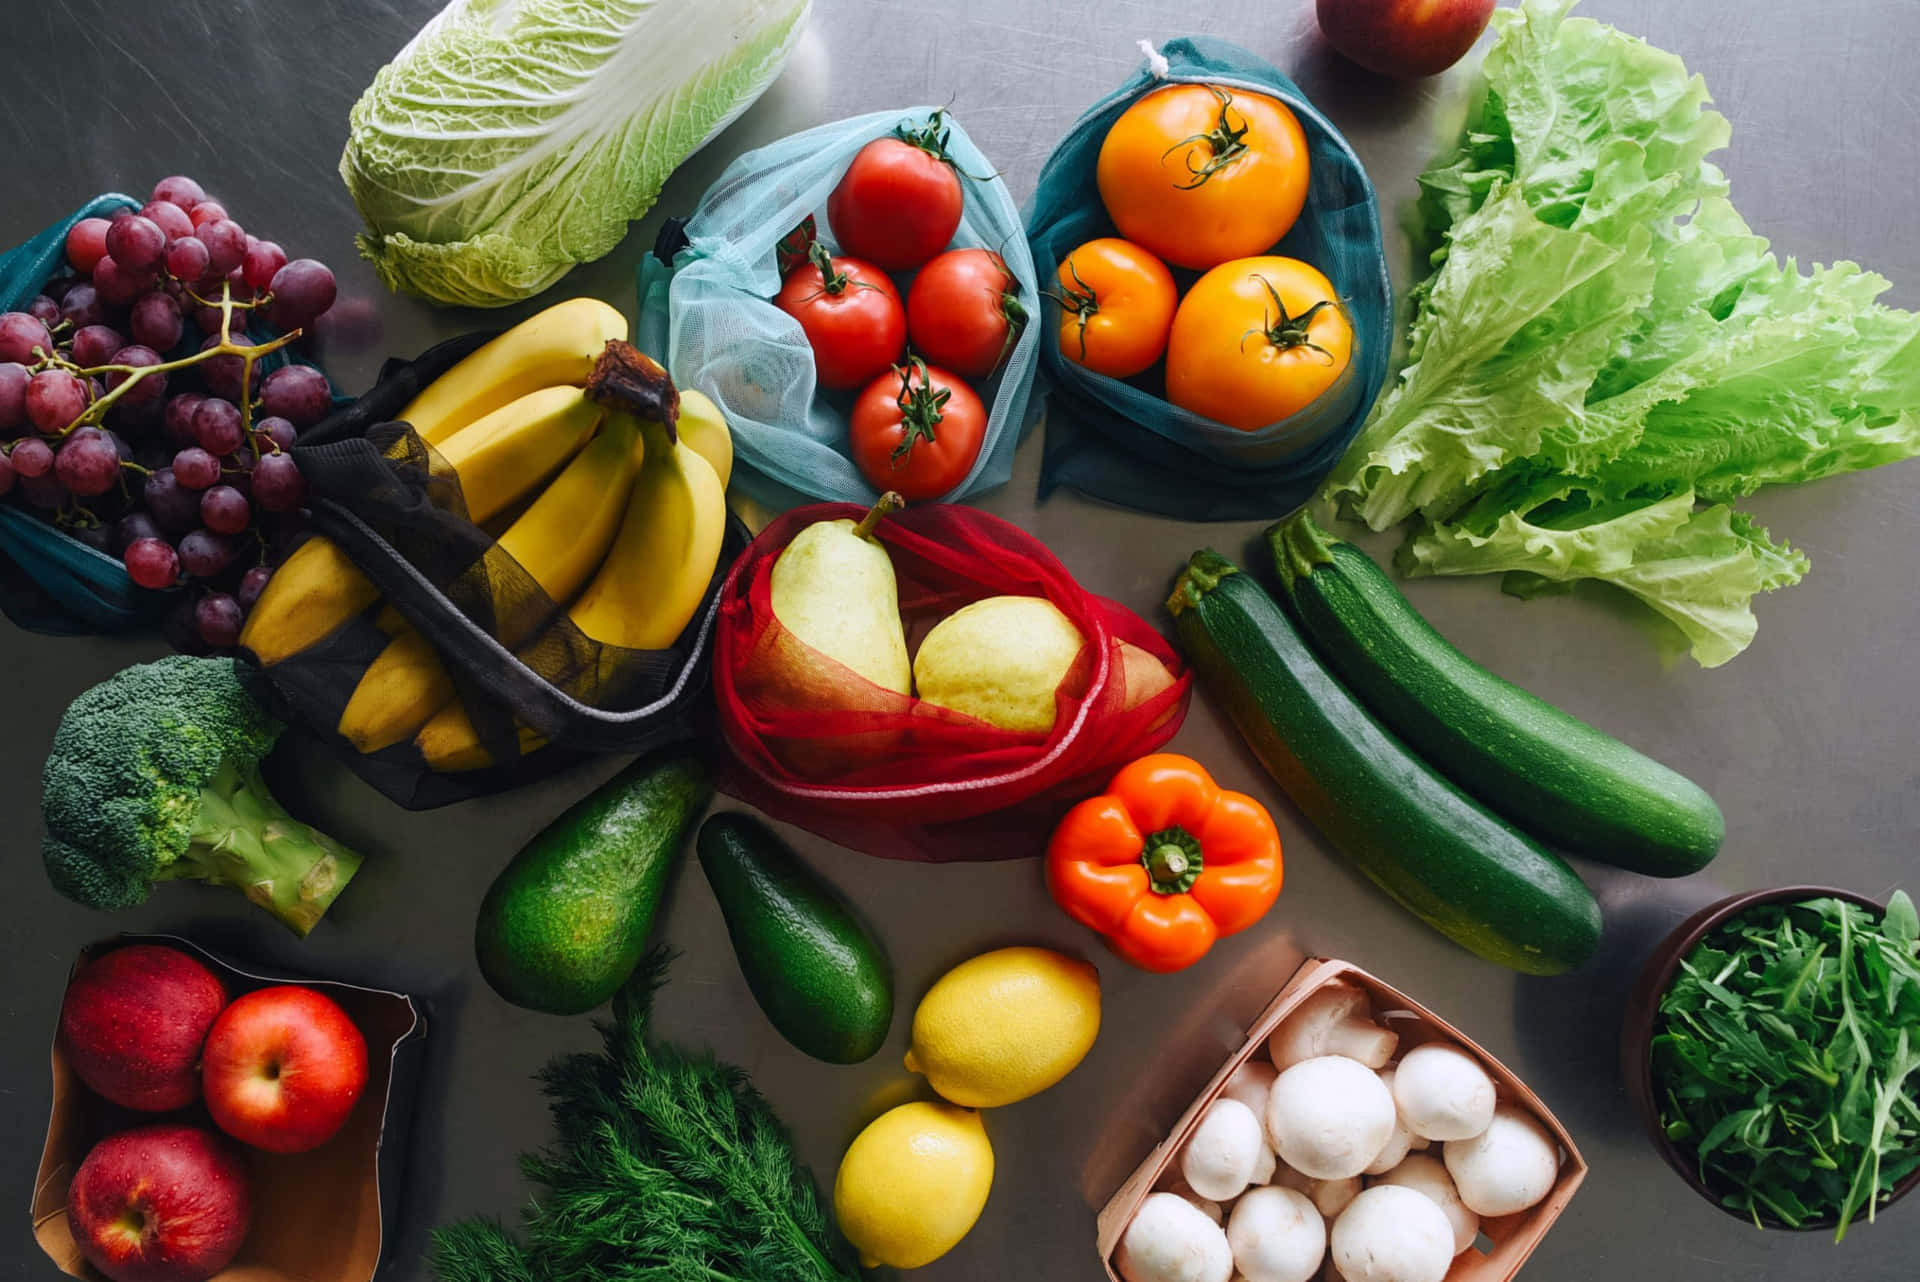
x=917, y=424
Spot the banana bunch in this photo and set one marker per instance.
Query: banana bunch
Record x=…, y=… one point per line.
x=567, y=444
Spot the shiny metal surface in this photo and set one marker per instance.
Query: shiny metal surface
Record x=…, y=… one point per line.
x=1807, y=740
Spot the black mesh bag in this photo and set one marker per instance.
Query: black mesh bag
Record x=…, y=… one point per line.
x=538, y=693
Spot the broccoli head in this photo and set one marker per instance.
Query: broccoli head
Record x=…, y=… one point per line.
x=155, y=776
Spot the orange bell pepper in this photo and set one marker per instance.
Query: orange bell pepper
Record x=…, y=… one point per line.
x=1165, y=862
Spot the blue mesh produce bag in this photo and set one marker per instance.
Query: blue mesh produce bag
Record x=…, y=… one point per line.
x=710, y=319
x=1120, y=440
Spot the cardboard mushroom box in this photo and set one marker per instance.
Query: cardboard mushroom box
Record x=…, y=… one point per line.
x=325, y=1215
x=1352, y=1125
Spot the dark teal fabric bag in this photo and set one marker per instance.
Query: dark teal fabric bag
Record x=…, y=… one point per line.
x=50, y=581
x=1120, y=440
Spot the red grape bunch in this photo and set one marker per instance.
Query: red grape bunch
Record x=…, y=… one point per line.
x=133, y=413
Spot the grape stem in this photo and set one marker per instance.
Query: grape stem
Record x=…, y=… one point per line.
x=225, y=347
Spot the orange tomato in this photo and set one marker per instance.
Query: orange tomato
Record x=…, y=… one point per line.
x=1116, y=306
x=1255, y=341
x=1201, y=174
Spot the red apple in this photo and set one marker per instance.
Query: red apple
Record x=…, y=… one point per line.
x=1404, y=38
x=133, y=1022
x=164, y=1203
x=283, y=1068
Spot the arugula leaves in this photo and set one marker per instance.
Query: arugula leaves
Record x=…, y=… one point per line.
x=667, y=1167
x=1785, y=1057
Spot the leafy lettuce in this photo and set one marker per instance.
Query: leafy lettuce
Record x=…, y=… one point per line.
x=512, y=139
x=1605, y=356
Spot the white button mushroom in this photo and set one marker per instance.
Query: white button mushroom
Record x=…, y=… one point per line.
x=1428, y=1175
x=1333, y=1020
x=1170, y=1240
x=1443, y=1093
x=1264, y=1167
x=1392, y=1234
x=1219, y=1161
x=1398, y=1144
x=1328, y=1116
x=1508, y=1167
x=1329, y=1197
x=1276, y=1236
x=1250, y=1083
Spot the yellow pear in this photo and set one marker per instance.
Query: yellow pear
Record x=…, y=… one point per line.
x=833, y=588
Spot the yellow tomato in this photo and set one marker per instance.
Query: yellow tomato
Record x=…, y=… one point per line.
x=1201, y=174
x=1116, y=305
x=1255, y=341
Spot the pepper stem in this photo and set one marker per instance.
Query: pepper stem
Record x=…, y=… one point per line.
x=1172, y=860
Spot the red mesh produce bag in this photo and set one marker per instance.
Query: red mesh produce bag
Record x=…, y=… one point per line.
x=892, y=775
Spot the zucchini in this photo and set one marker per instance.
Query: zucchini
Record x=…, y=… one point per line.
x=1551, y=773
x=1450, y=862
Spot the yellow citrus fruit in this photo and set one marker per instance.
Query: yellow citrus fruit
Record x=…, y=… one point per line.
x=913, y=1183
x=1006, y=1025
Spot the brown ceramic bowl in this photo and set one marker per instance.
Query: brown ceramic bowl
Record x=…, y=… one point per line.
x=1643, y=1010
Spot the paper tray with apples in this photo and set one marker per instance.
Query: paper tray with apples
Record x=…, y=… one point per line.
x=326, y=1215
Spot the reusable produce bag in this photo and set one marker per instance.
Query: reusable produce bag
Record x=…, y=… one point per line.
x=51, y=582
x=394, y=507
x=706, y=303
x=898, y=777
x=1120, y=440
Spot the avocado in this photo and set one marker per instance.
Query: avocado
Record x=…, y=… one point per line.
x=567, y=920
x=815, y=968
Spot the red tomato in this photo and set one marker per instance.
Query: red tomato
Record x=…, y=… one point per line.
x=851, y=314
x=899, y=202
x=964, y=312
x=917, y=430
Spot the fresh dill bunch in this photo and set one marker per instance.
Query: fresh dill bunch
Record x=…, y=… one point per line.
x=666, y=1167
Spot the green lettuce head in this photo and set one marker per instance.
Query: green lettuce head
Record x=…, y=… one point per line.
x=512, y=139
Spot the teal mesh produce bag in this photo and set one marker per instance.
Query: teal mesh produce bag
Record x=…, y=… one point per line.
x=1118, y=439
x=709, y=316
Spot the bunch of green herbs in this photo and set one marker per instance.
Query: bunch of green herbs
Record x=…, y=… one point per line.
x=1605, y=358
x=667, y=1167
x=1783, y=1056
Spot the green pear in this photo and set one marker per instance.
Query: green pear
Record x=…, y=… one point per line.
x=834, y=589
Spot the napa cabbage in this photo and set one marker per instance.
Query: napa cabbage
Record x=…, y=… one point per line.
x=512, y=139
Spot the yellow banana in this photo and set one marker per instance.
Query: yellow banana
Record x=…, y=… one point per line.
x=558, y=542
x=548, y=349
x=702, y=427
x=646, y=592
x=497, y=458
x=663, y=557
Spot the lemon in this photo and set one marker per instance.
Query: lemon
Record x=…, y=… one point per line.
x=913, y=1183
x=999, y=660
x=1006, y=1025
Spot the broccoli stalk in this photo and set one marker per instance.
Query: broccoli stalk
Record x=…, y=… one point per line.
x=155, y=776
x=243, y=838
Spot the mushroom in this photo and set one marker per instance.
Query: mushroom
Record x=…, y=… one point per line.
x=1219, y=1161
x=1250, y=1083
x=1329, y=1197
x=1170, y=1240
x=1443, y=1093
x=1276, y=1236
x=1328, y=1116
x=1264, y=1165
x=1333, y=1020
x=1398, y=1144
x=1506, y=1168
x=1392, y=1234
x=1429, y=1175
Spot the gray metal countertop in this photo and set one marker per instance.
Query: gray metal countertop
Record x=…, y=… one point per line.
x=1808, y=740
